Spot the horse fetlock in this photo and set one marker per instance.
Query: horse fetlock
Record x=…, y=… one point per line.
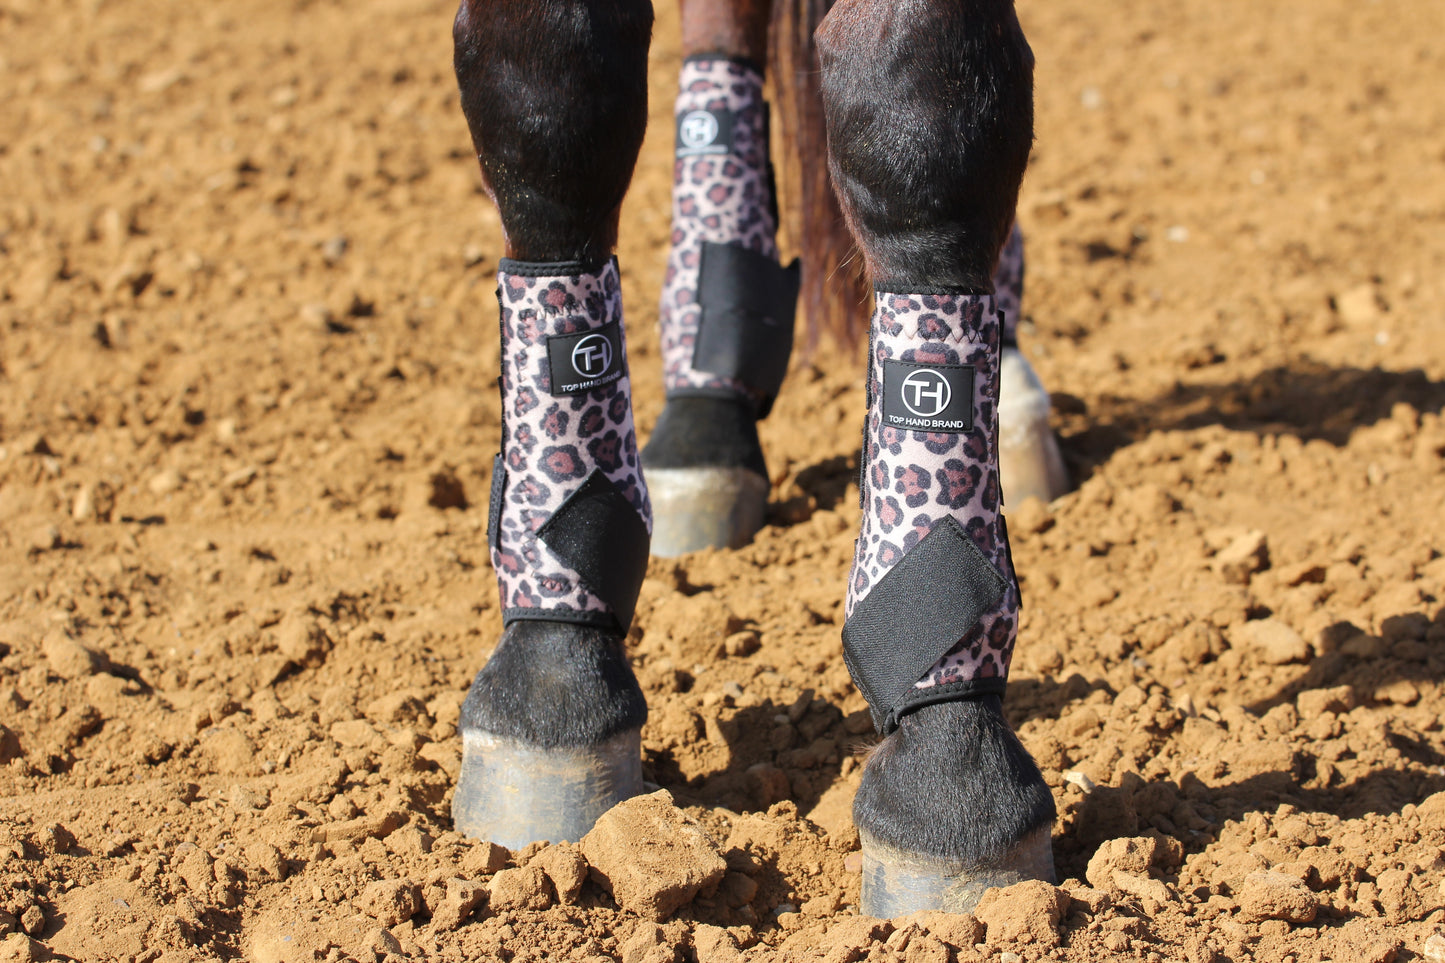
x=949, y=805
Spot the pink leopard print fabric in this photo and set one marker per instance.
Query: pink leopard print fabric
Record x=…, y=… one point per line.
x=912, y=479
x=551, y=443
x=719, y=194
x=1008, y=284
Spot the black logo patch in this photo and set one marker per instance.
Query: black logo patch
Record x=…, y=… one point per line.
x=927, y=397
x=586, y=360
x=704, y=132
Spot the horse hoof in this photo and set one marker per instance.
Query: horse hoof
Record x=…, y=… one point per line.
x=1029, y=461
x=697, y=508
x=512, y=794
x=896, y=884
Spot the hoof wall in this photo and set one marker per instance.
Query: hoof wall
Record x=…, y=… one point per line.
x=513, y=794
x=698, y=508
x=897, y=884
x=1029, y=461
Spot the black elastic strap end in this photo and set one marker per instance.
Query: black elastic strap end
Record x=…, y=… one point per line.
x=748, y=303
x=601, y=537
x=919, y=610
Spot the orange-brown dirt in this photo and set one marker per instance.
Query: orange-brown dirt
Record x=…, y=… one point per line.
x=247, y=415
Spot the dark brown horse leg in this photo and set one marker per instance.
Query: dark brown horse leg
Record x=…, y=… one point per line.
x=726, y=315
x=930, y=113
x=554, y=92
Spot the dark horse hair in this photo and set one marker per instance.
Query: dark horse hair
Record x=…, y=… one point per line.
x=835, y=296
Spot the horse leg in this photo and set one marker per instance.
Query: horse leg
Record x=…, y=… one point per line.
x=1029, y=461
x=554, y=93
x=929, y=111
x=727, y=306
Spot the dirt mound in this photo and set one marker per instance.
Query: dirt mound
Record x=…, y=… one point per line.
x=247, y=416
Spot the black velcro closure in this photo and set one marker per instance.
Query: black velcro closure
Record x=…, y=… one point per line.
x=494, y=503
x=920, y=609
x=601, y=537
x=585, y=360
x=748, y=305
x=927, y=397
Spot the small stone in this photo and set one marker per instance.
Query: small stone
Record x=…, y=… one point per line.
x=1027, y=912
x=1241, y=558
x=485, y=859
x=266, y=859
x=68, y=658
x=19, y=948
x=1313, y=703
x=462, y=897
x=1274, y=641
x=1133, y=856
x=165, y=482
x=515, y=890
x=959, y=930
x=1277, y=896
x=743, y=643
x=565, y=867
x=356, y=734
x=713, y=944
x=1359, y=305
x=391, y=901
x=1434, y=948
x=651, y=856
x=1075, y=778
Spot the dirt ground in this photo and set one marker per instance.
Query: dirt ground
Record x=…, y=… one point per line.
x=247, y=416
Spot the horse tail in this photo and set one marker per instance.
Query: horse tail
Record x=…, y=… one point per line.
x=834, y=292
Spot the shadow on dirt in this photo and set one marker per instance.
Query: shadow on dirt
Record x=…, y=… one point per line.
x=1309, y=400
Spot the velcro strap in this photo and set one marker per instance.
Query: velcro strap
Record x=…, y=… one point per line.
x=600, y=536
x=748, y=304
x=914, y=615
x=494, y=502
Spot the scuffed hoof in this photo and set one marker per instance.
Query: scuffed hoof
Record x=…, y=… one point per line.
x=698, y=508
x=896, y=884
x=950, y=805
x=1030, y=464
x=513, y=794
x=705, y=475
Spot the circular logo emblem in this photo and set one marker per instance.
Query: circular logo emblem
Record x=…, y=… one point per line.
x=592, y=356
x=698, y=129
x=926, y=393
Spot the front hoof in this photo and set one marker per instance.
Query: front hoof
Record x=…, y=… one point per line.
x=698, y=508
x=1029, y=461
x=512, y=793
x=897, y=884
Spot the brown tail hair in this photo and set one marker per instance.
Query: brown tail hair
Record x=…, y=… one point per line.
x=835, y=295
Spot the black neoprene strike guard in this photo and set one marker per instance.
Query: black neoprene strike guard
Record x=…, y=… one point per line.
x=748, y=306
x=600, y=536
x=920, y=609
x=494, y=501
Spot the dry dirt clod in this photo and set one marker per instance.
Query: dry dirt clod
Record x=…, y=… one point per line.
x=565, y=867
x=1241, y=558
x=391, y=901
x=1027, y=912
x=527, y=888
x=1277, y=896
x=1275, y=642
x=462, y=897
x=651, y=856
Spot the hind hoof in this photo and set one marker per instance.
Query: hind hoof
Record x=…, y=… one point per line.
x=698, y=508
x=512, y=794
x=1029, y=461
x=897, y=884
